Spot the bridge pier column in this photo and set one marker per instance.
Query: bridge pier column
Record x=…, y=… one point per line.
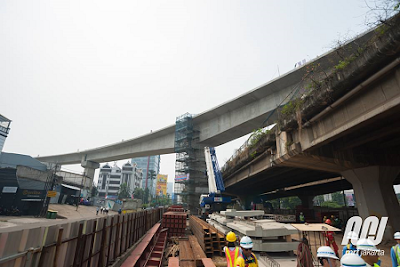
x=373, y=189
x=246, y=201
x=89, y=169
x=307, y=201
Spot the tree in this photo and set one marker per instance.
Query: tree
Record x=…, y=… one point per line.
x=124, y=191
x=319, y=200
x=330, y=204
x=138, y=193
x=380, y=11
x=162, y=200
x=146, y=195
x=291, y=202
x=94, y=191
x=337, y=197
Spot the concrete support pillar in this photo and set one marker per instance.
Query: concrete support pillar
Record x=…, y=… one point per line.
x=307, y=201
x=245, y=201
x=375, y=196
x=281, y=143
x=89, y=169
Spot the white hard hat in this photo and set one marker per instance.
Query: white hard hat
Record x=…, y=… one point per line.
x=352, y=260
x=246, y=242
x=366, y=244
x=352, y=235
x=397, y=235
x=326, y=252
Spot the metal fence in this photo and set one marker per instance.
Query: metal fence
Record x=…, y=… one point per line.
x=94, y=242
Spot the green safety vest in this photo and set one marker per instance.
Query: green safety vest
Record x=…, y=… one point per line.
x=396, y=250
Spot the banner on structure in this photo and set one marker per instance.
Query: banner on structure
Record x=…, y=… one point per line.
x=161, y=187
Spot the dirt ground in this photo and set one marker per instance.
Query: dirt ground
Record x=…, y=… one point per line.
x=315, y=243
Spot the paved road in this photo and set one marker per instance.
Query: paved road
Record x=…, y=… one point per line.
x=12, y=223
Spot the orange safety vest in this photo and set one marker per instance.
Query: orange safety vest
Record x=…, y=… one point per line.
x=231, y=256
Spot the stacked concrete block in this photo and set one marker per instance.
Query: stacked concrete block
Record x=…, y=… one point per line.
x=289, y=218
x=176, y=208
x=267, y=235
x=175, y=222
x=242, y=213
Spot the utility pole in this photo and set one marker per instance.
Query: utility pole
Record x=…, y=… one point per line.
x=49, y=185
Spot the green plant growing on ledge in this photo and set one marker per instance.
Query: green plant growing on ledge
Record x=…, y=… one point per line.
x=291, y=107
x=256, y=137
x=288, y=144
x=344, y=63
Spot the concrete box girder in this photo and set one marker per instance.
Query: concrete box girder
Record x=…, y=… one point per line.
x=242, y=213
x=262, y=230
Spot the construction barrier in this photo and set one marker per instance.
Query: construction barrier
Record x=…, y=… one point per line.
x=93, y=242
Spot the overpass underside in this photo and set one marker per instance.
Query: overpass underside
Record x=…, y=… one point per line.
x=350, y=128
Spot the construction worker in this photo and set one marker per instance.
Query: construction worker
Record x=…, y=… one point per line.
x=327, y=257
x=350, y=247
x=302, y=219
x=352, y=260
x=330, y=239
x=395, y=251
x=368, y=252
x=231, y=251
x=246, y=258
x=333, y=220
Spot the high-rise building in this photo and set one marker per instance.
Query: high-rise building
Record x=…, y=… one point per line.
x=148, y=164
x=4, y=130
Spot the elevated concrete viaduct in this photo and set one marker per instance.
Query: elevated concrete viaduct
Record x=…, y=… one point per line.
x=348, y=126
x=217, y=126
x=311, y=149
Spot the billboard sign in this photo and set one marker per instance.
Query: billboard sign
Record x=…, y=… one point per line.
x=182, y=177
x=161, y=187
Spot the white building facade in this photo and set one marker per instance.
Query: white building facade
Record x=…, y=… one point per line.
x=111, y=178
x=131, y=176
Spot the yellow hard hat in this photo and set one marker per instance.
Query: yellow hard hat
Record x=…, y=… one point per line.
x=231, y=237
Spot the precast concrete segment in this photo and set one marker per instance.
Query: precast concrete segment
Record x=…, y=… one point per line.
x=258, y=245
x=219, y=125
x=266, y=234
x=262, y=228
x=242, y=213
x=219, y=218
x=221, y=228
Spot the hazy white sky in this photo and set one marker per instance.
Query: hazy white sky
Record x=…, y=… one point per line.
x=82, y=74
